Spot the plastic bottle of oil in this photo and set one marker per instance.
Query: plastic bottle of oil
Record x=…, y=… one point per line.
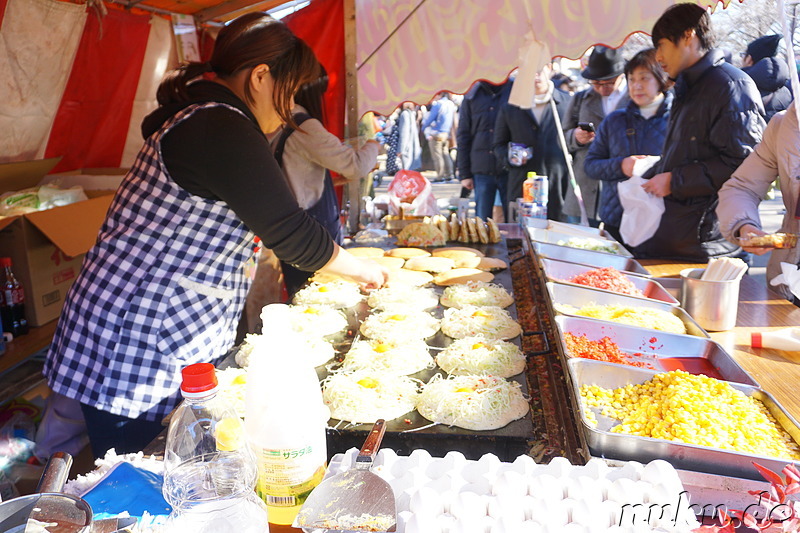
x=285, y=418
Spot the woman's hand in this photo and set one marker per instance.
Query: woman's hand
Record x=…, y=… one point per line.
x=365, y=272
x=372, y=275
x=628, y=164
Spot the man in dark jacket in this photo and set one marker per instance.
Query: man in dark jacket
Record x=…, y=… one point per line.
x=536, y=129
x=476, y=164
x=716, y=121
x=769, y=73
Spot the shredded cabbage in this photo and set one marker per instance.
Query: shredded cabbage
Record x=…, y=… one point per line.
x=400, y=359
x=377, y=396
x=478, y=293
x=589, y=243
x=481, y=402
x=417, y=298
x=480, y=355
x=491, y=322
x=339, y=294
x=399, y=324
x=316, y=320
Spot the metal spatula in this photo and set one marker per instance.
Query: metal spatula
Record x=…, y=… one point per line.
x=355, y=500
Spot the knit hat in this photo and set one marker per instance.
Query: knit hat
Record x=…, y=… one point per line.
x=604, y=63
x=766, y=46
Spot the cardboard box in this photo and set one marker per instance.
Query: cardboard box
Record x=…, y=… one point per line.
x=47, y=247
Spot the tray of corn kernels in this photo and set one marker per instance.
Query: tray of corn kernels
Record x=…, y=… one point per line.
x=694, y=422
x=603, y=305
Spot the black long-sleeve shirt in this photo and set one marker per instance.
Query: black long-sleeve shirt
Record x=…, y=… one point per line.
x=221, y=154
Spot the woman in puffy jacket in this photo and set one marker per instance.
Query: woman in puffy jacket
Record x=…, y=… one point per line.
x=628, y=134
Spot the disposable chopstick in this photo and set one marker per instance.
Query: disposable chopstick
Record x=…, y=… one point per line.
x=724, y=269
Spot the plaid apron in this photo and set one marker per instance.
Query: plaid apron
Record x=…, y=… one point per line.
x=163, y=288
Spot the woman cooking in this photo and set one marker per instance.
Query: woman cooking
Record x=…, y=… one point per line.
x=165, y=284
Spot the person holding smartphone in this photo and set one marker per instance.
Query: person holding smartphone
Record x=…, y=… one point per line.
x=587, y=109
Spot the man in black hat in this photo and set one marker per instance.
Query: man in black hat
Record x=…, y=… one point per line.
x=770, y=73
x=716, y=121
x=586, y=111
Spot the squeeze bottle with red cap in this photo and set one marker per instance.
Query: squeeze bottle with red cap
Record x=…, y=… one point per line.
x=209, y=469
x=782, y=339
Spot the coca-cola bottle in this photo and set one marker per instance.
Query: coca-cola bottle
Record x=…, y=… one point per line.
x=12, y=304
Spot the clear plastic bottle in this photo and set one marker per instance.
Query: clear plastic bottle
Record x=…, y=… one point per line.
x=12, y=305
x=286, y=418
x=209, y=469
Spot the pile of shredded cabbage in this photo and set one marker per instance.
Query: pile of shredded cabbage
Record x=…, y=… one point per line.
x=339, y=294
x=363, y=397
x=479, y=403
x=316, y=321
x=417, y=298
x=399, y=359
x=480, y=355
x=479, y=293
x=491, y=322
x=399, y=324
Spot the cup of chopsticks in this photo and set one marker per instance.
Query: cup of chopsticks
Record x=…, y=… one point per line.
x=711, y=295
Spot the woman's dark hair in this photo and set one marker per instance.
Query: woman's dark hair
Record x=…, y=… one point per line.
x=251, y=40
x=647, y=59
x=310, y=95
x=677, y=19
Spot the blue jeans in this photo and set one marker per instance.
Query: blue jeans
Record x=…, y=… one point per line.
x=486, y=186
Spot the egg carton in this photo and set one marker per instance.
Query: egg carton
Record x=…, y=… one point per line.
x=452, y=494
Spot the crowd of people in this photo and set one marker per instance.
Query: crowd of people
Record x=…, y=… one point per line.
x=681, y=100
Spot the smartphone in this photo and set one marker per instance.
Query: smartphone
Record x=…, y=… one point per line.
x=586, y=126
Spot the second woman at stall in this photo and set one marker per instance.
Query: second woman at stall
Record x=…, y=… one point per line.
x=165, y=284
x=626, y=134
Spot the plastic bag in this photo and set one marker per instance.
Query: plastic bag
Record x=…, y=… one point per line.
x=34, y=199
x=642, y=211
x=410, y=193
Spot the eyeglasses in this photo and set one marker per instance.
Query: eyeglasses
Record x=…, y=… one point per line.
x=606, y=83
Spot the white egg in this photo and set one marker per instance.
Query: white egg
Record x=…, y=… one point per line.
x=631, y=470
x=412, y=478
x=525, y=465
x=386, y=457
x=441, y=484
x=573, y=528
x=426, y=502
x=466, y=526
x=531, y=527
x=445, y=522
x=508, y=524
x=473, y=470
x=419, y=458
x=510, y=484
x=488, y=523
x=479, y=486
x=558, y=467
x=618, y=529
x=660, y=472
x=468, y=506
x=402, y=519
x=584, y=488
x=625, y=491
x=437, y=468
x=557, y=514
x=491, y=462
x=546, y=486
x=613, y=510
x=595, y=468
x=535, y=509
x=590, y=514
x=500, y=507
x=417, y=524
x=402, y=498
x=349, y=458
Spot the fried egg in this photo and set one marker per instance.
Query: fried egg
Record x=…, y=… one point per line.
x=479, y=355
x=417, y=298
x=491, y=322
x=338, y=294
x=317, y=321
x=364, y=397
x=398, y=325
x=400, y=359
x=477, y=293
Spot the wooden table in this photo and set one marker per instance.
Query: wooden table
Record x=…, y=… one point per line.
x=760, y=309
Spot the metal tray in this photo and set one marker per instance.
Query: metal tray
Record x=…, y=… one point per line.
x=578, y=230
x=562, y=271
x=589, y=257
x=603, y=443
x=554, y=237
x=580, y=296
x=661, y=351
